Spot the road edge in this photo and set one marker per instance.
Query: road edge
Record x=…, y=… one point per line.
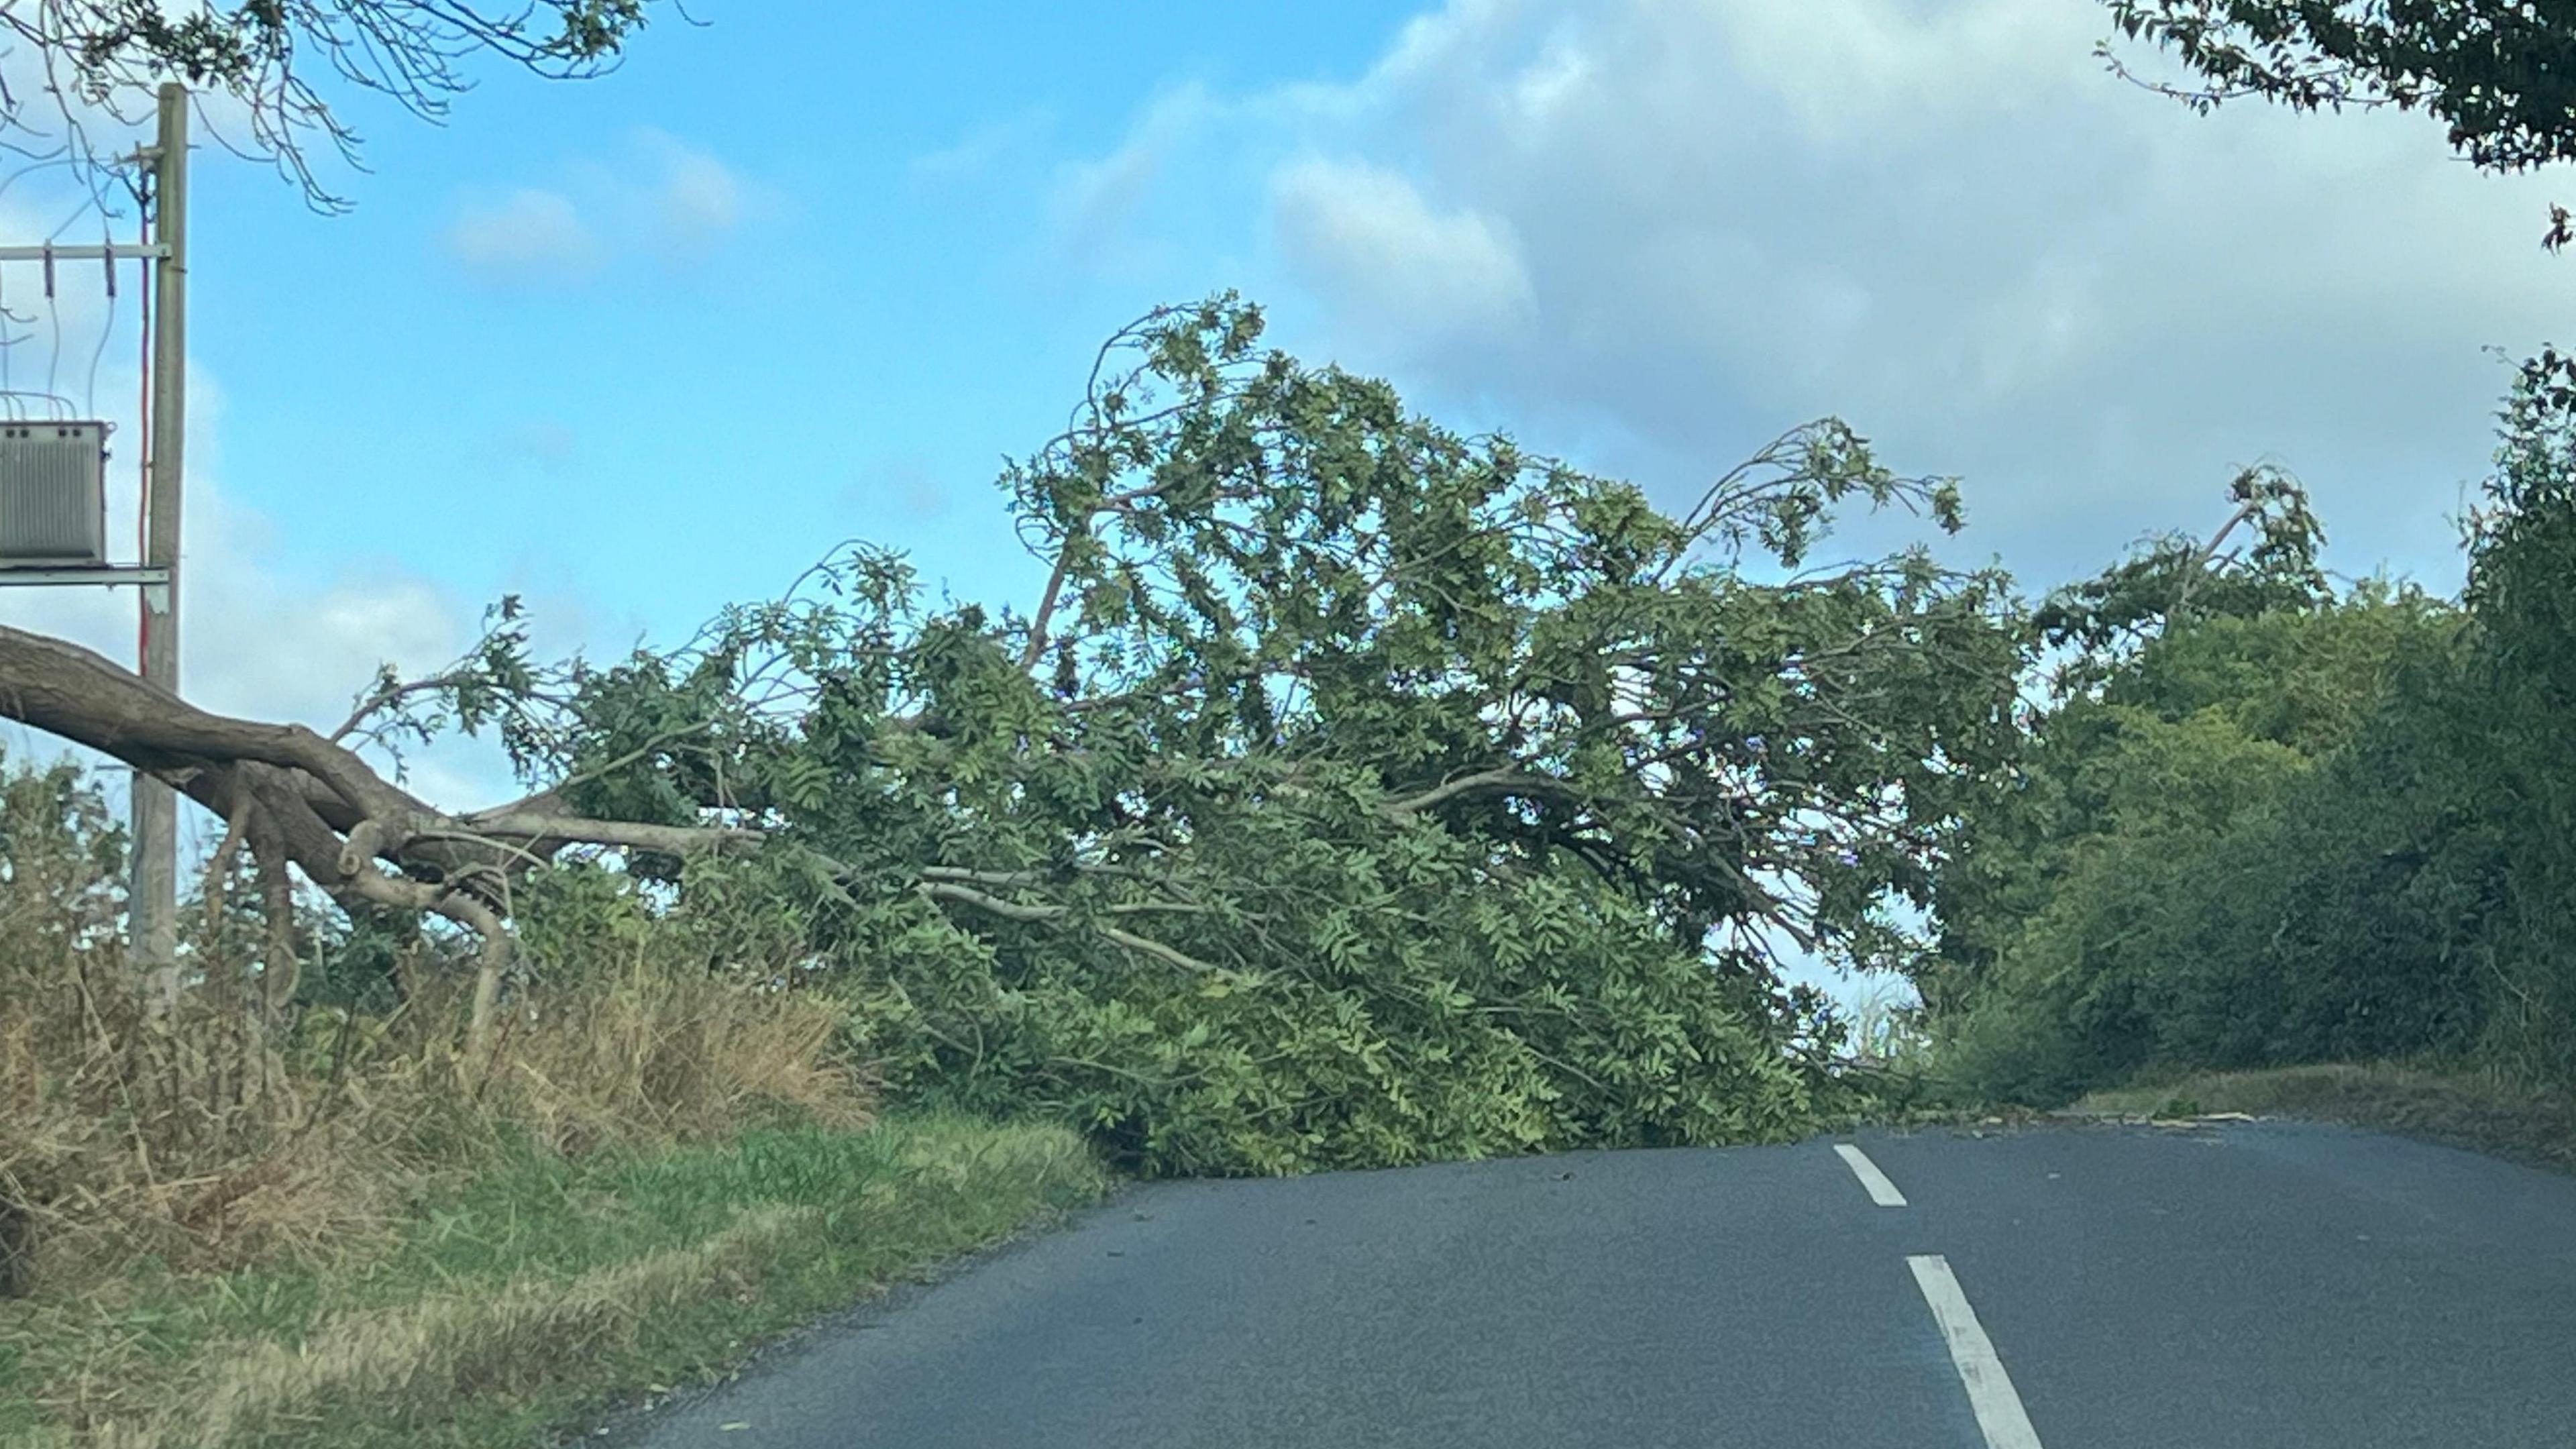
x=2532, y=1126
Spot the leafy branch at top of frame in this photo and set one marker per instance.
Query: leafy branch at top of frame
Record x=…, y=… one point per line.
x=263, y=64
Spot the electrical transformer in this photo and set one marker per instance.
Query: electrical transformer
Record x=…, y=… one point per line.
x=53, y=494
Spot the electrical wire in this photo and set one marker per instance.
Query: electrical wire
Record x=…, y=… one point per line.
x=106, y=329
x=77, y=212
x=26, y=171
x=58, y=408
x=90, y=179
x=53, y=319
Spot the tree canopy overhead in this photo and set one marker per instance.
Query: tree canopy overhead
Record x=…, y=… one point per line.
x=2501, y=76
x=270, y=57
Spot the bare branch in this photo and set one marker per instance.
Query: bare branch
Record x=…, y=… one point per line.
x=623, y=834
x=1049, y=915
x=1501, y=781
x=391, y=695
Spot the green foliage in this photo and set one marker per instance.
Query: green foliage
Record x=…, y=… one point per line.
x=1395, y=1003
x=2171, y=579
x=62, y=859
x=1356, y=792
x=2174, y=670
x=2078, y=907
x=272, y=62
x=2337, y=830
x=2502, y=77
x=2498, y=75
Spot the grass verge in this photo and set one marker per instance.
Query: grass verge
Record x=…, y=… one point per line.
x=2461, y=1109
x=531, y=1295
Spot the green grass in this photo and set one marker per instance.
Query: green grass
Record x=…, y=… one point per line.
x=537, y=1293
x=2478, y=1110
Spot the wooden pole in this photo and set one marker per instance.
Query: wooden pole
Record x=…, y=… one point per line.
x=154, y=904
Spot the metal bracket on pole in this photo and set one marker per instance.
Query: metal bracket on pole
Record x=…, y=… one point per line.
x=156, y=581
x=88, y=252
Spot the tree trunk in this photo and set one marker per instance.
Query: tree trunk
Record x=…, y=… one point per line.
x=302, y=799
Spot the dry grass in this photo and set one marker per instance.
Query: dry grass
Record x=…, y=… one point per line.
x=504, y=1342
x=528, y=1299
x=232, y=1213
x=207, y=1142
x=667, y=1054
x=223, y=1118
x=2482, y=1111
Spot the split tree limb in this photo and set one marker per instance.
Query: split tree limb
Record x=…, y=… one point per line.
x=364, y=840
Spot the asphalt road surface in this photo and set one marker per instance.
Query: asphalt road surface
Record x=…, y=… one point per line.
x=2258, y=1285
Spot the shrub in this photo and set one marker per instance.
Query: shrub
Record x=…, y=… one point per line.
x=216, y=1132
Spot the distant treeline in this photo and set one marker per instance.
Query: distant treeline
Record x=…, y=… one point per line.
x=2264, y=819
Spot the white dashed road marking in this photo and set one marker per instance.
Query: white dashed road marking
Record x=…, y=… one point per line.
x=1881, y=1191
x=1990, y=1391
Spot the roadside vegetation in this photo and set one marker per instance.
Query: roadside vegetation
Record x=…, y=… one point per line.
x=2263, y=819
x=309, y=1220
x=2275, y=838
x=2482, y=1110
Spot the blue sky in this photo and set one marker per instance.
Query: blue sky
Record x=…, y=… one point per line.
x=685, y=420
x=639, y=346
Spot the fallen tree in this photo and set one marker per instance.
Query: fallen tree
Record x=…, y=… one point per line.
x=1325, y=722
x=292, y=796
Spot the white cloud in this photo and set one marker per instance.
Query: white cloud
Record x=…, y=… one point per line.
x=1849, y=72
x=982, y=147
x=528, y=235
x=1095, y=204
x=1682, y=228
x=698, y=200
x=1366, y=239
x=669, y=198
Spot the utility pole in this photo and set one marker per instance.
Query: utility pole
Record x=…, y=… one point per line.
x=46, y=542
x=153, y=905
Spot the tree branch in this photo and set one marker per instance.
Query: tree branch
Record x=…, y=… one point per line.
x=1049, y=915
x=1504, y=780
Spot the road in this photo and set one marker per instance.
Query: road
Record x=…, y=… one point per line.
x=2255, y=1285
